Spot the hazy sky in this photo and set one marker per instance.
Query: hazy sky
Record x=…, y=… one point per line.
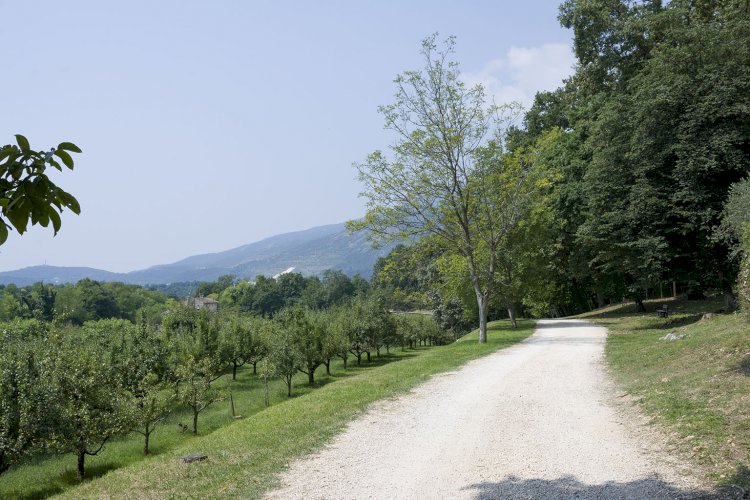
x=209, y=125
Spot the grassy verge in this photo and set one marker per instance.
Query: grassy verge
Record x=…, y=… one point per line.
x=697, y=385
x=245, y=456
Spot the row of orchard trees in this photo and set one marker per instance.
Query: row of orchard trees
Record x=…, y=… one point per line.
x=69, y=389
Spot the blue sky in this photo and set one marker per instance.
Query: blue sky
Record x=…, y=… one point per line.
x=209, y=125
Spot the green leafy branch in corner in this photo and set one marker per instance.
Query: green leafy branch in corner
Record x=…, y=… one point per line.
x=26, y=193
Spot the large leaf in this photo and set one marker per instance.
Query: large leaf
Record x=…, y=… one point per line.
x=19, y=218
x=69, y=201
x=65, y=157
x=69, y=146
x=55, y=218
x=23, y=143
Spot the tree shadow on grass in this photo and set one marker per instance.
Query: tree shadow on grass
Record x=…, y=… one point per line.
x=323, y=379
x=568, y=487
x=668, y=323
x=744, y=366
x=66, y=480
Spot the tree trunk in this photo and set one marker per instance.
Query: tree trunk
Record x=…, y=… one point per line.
x=359, y=359
x=600, y=300
x=328, y=366
x=730, y=301
x=368, y=356
x=146, y=435
x=289, y=386
x=310, y=376
x=377, y=350
x=81, y=461
x=255, y=369
x=234, y=370
x=195, y=420
x=639, y=306
x=482, y=303
x=512, y=316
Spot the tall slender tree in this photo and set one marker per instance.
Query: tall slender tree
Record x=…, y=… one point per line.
x=447, y=177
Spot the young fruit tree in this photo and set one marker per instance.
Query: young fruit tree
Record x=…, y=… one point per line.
x=447, y=176
x=87, y=406
x=308, y=334
x=283, y=353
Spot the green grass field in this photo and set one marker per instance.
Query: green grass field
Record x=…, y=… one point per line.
x=246, y=455
x=697, y=387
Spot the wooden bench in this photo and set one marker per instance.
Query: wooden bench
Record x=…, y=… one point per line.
x=663, y=312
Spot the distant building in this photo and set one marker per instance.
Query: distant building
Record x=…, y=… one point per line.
x=207, y=303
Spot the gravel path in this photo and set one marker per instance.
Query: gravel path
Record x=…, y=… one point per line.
x=538, y=420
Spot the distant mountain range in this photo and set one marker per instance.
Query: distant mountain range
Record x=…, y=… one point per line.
x=309, y=252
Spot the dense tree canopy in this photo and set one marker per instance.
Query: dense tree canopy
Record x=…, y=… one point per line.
x=652, y=129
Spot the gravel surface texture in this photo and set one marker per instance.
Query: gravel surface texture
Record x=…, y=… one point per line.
x=539, y=420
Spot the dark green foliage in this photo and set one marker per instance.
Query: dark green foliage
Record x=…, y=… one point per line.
x=222, y=283
x=26, y=192
x=735, y=230
x=450, y=316
x=267, y=296
x=404, y=275
x=644, y=141
x=87, y=300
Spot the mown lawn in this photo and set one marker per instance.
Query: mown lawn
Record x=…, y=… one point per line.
x=697, y=386
x=246, y=455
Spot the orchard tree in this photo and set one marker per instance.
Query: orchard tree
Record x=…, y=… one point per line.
x=283, y=353
x=352, y=323
x=197, y=375
x=335, y=342
x=199, y=364
x=87, y=405
x=338, y=344
x=26, y=193
x=139, y=357
x=234, y=342
x=307, y=333
x=448, y=176
x=22, y=401
x=379, y=325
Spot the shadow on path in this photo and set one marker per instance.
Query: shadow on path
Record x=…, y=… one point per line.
x=564, y=323
x=569, y=487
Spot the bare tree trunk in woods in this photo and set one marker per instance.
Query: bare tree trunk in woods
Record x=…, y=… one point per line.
x=512, y=316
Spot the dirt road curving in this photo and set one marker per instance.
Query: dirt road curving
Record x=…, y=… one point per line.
x=537, y=420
